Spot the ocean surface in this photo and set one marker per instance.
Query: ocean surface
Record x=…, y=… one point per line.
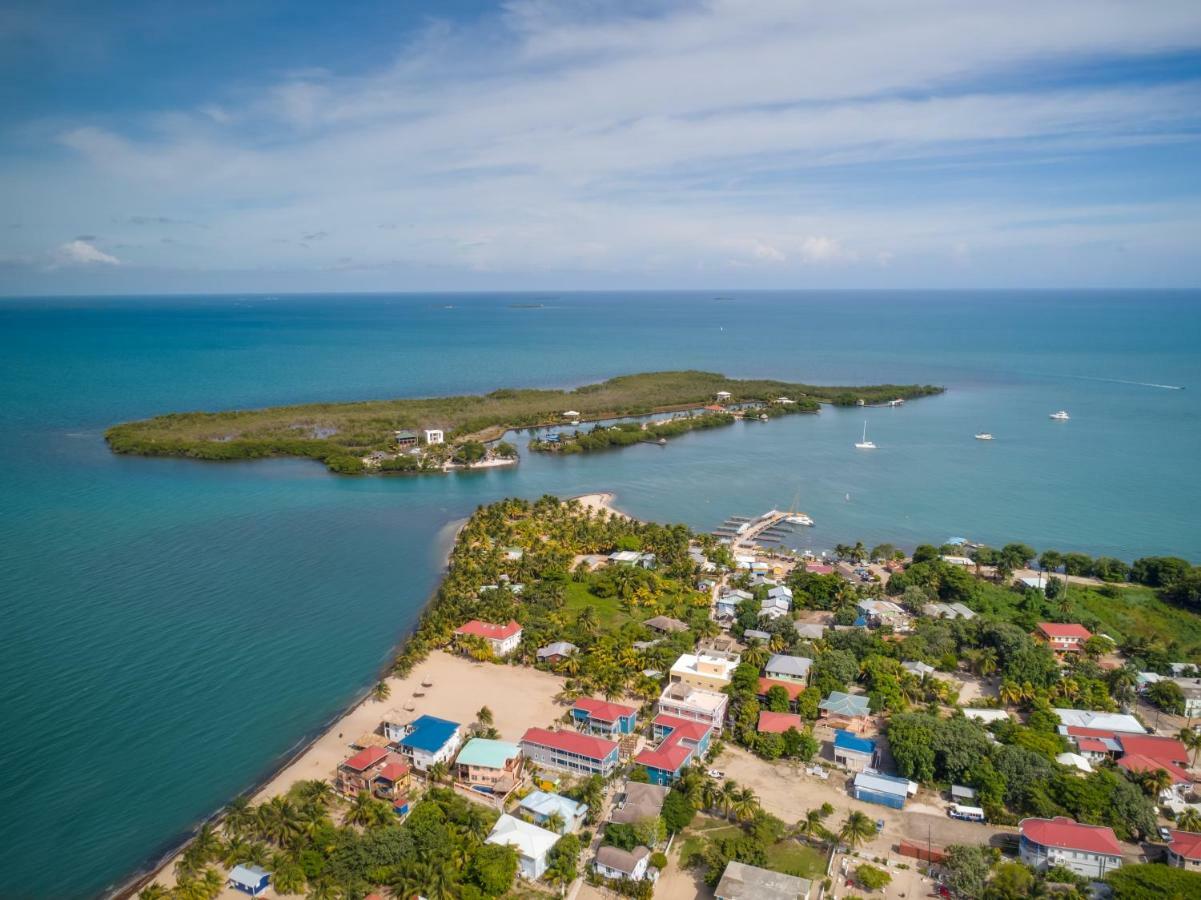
x=169, y=630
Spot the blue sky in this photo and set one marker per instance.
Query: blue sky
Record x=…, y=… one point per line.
x=276, y=146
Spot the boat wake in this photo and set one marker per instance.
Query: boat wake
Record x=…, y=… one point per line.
x=1150, y=384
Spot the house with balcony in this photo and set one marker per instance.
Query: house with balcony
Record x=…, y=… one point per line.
x=600, y=717
x=1062, y=637
x=427, y=740
x=685, y=702
x=541, y=806
x=849, y=712
x=1089, y=850
x=355, y=774
x=570, y=751
x=489, y=766
x=502, y=639
x=680, y=742
x=782, y=667
x=708, y=670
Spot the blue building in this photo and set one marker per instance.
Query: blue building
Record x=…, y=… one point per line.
x=606, y=719
x=427, y=740
x=852, y=752
x=252, y=880
x=887, y=790
x=681, y=742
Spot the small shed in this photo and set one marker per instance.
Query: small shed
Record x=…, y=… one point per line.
x=252, y=880
x=887, y=790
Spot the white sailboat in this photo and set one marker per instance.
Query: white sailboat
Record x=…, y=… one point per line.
x=865, y=444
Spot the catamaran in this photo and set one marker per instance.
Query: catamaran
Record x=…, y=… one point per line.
x=865, y=444
x=1062, y=415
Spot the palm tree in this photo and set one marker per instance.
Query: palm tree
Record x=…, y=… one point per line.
x=555, y=822
x=986, y=661
x=756, y=655
x=484, y=716
x=288, y=878
x=154, y=892
x=726, y=797
x=1010, y=693
x=811, y=826
x=1156, y=782
x=362, y=809
x=207, y=843
x=437, y=772
x=710, y=796
x=315, y=791
x=1189, y=820
x=856, y=829
x=239, y=817
x=587, y=619
x=381, y=692
x=745, y=805
x=1191, y=740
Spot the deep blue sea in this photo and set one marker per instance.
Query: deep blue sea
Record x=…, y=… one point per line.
x=170, y=629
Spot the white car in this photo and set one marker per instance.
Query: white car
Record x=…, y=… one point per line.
x=716, y=773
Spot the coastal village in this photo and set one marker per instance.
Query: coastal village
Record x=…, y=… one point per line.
x=594, y=706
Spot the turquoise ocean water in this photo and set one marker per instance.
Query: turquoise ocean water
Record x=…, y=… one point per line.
x=169, y=630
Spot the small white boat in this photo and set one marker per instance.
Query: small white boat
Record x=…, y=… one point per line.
x=865, y=444
x=1061, y=416
x=984, y=436
x=798, y=519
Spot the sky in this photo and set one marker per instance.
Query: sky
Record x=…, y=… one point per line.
x=272, y=146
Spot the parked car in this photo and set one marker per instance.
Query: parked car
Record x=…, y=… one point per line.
x=1165, y=833
x=716, y=773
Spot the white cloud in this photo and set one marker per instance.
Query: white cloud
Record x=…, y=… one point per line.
x=82, y=253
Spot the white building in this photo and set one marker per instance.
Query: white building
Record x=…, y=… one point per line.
x=1104, y=721
x=1089, y=850
x=426, y=740
x=434, y=436
x=694, y=704
x=634, y=865
x=531, y=843
x=707, y=669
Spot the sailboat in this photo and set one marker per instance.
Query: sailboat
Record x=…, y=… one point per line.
x=865, y=444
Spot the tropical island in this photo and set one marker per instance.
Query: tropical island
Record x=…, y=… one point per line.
x=646, y=710
x=437, y=433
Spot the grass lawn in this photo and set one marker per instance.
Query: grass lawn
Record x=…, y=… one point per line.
x=795, y=858
x=608, y=609
x=1139, y=612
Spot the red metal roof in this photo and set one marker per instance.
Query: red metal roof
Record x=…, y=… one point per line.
x=602, y=710
x=1069, y=835
x=1080, y=731
x=682, y=728
x=1136, y=762
x=819, y=569
x=1064, y=630
x=778, y=723
x=794, y=689
x=1186, y=844
x=671, y=754
x=489, y=630
x=571, y=742
x=393, y=770
x=1155, y=746
x=1094, y=745
x=365, y=759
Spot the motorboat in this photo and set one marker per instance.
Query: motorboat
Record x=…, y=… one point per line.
x=1061, y=416
x=798, y=519
x=984, y=436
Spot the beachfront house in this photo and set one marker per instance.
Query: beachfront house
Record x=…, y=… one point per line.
x=570, y=750
x=603, y=718
x=849, y=712
x=489, y=766
x=852, y=752
x=680, y=742
x=557, y=652
x=391, y=782
x=743, y=882
x=1184, y=850
x=686, y=702
x=356, y=773
x=722, y=396
x=1089, y=850
x=541, y=806
x=707, y=670
x=428, y=740
x=887, y=790
x=249, y=879
x=630, y=865
x=531, y=843
x=638, y=802
x=502, y=639
x=782, y=667
x=1061, y=637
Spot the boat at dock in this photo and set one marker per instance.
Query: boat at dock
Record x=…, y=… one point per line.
x=865, y=444
x=1061, y=416
x=799, y=519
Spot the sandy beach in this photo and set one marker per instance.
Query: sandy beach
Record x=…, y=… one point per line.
x=519, y=698
x=601, y=500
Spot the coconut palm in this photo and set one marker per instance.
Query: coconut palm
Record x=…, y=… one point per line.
x=856, y=829
x=154, y=892
x=280, y=821
x=239, y=850
x=1155, y=782
x=555, y=822
x=438, y=772
x=726, y=797
x=710, y=796
x=756, y=655
x=1010, y=693
x=361, y=810
x=288, y=878
x=811, y=826
x=381, y=692
x=1191, y=740
x=239, y=817
x=745, y=805
x=1189, y=820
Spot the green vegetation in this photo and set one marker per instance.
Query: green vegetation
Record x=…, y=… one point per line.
x=340, y=434
x=1153, y=881
x=624, y=434
x=438, y=851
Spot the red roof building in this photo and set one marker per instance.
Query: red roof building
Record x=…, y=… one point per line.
x=794, y=688
x=1088, y=850
x=1184, y=850
x=1062, y=637
x=778, y=723
x=1137, y=762
x=570, y=750
x=356, y=774
x=365, y=759
x=502, y=638
x=1155, y=746
x=603, y=710
x=682, y=741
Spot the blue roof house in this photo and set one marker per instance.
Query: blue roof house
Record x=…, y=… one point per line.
x=428, y=740
x=887, y=790
x=853, y=752
x=252, y=880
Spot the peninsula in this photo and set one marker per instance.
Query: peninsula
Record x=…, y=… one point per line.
x=429, y=434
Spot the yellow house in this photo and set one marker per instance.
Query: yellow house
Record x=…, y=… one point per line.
x=708, y=670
